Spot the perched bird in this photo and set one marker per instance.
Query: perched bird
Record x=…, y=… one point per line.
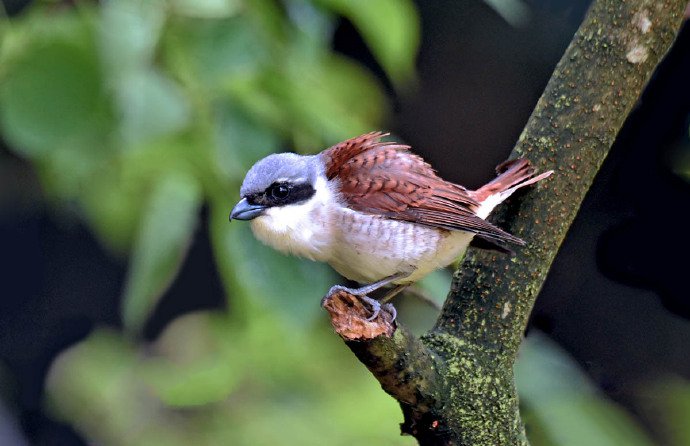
x=373, y=210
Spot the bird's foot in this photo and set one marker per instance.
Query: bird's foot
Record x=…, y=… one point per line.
x=375, y=306
x=356, y=316
x=362, y=294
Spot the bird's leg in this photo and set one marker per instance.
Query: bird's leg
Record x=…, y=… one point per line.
x=393, y=292
x=377, y=304
x=370, y=288
x=362, y=292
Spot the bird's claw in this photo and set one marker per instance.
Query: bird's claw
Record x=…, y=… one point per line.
x=375, y=305
x=334, y=289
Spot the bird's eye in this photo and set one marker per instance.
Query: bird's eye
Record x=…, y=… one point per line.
x=279, y=191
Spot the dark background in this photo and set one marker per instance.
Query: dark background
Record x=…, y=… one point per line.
x=616, y=297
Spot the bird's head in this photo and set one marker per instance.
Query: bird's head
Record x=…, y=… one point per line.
x=276, y=181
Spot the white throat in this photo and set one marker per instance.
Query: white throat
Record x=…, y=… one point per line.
x=302, y=229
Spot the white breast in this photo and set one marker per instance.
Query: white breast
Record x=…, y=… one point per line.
x=368, y=248
x=302, y=229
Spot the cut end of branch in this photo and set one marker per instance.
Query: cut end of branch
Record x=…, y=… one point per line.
x=349, y=317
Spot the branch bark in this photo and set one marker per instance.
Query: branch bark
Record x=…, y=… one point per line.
x=455, y=384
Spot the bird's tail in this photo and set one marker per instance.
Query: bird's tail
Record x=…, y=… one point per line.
x=512, y=175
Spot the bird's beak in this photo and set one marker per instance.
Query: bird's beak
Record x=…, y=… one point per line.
x=245, y=211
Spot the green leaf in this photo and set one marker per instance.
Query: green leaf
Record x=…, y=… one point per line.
x=328, y=99
x=314, y=25
x=240, y=140
x=112, y=203
x=164, y=236
x=200, y=364
x=209, y=54
x=98, y=386
x=88, y=376
x=133, y=50
x=52, y=94
x=390, y=28
x=667, y=401
x=114, y=196
x=151, y=106
x=206, y=8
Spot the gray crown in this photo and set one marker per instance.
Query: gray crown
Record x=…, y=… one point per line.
x=288, y=167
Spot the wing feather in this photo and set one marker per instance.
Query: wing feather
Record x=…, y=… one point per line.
x=385, y=178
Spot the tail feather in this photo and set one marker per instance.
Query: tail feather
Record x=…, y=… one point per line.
x=512, y=175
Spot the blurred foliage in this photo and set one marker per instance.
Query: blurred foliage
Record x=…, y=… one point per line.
x=516, y=12
x=135, y=114
x=207, y=381
x=281, y=395
x=668, y=403
x=561, y=406
x=677, y=158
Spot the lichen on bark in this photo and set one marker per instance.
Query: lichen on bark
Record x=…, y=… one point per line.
x=455, y=384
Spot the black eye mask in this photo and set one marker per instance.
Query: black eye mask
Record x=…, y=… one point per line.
x=282, y=194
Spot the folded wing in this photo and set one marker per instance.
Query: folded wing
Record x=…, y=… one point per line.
x=385, y=178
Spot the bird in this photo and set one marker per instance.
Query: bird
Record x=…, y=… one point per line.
x=375, y=211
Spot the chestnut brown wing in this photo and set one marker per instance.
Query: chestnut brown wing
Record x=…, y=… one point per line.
x=384, y=178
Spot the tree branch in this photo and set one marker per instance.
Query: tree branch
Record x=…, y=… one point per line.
x=575, y=122
x=455, y=384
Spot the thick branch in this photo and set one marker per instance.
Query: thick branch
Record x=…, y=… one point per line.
x=456, y=386
x=575, y=122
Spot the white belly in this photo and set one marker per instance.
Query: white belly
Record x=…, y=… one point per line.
x=367, y=248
